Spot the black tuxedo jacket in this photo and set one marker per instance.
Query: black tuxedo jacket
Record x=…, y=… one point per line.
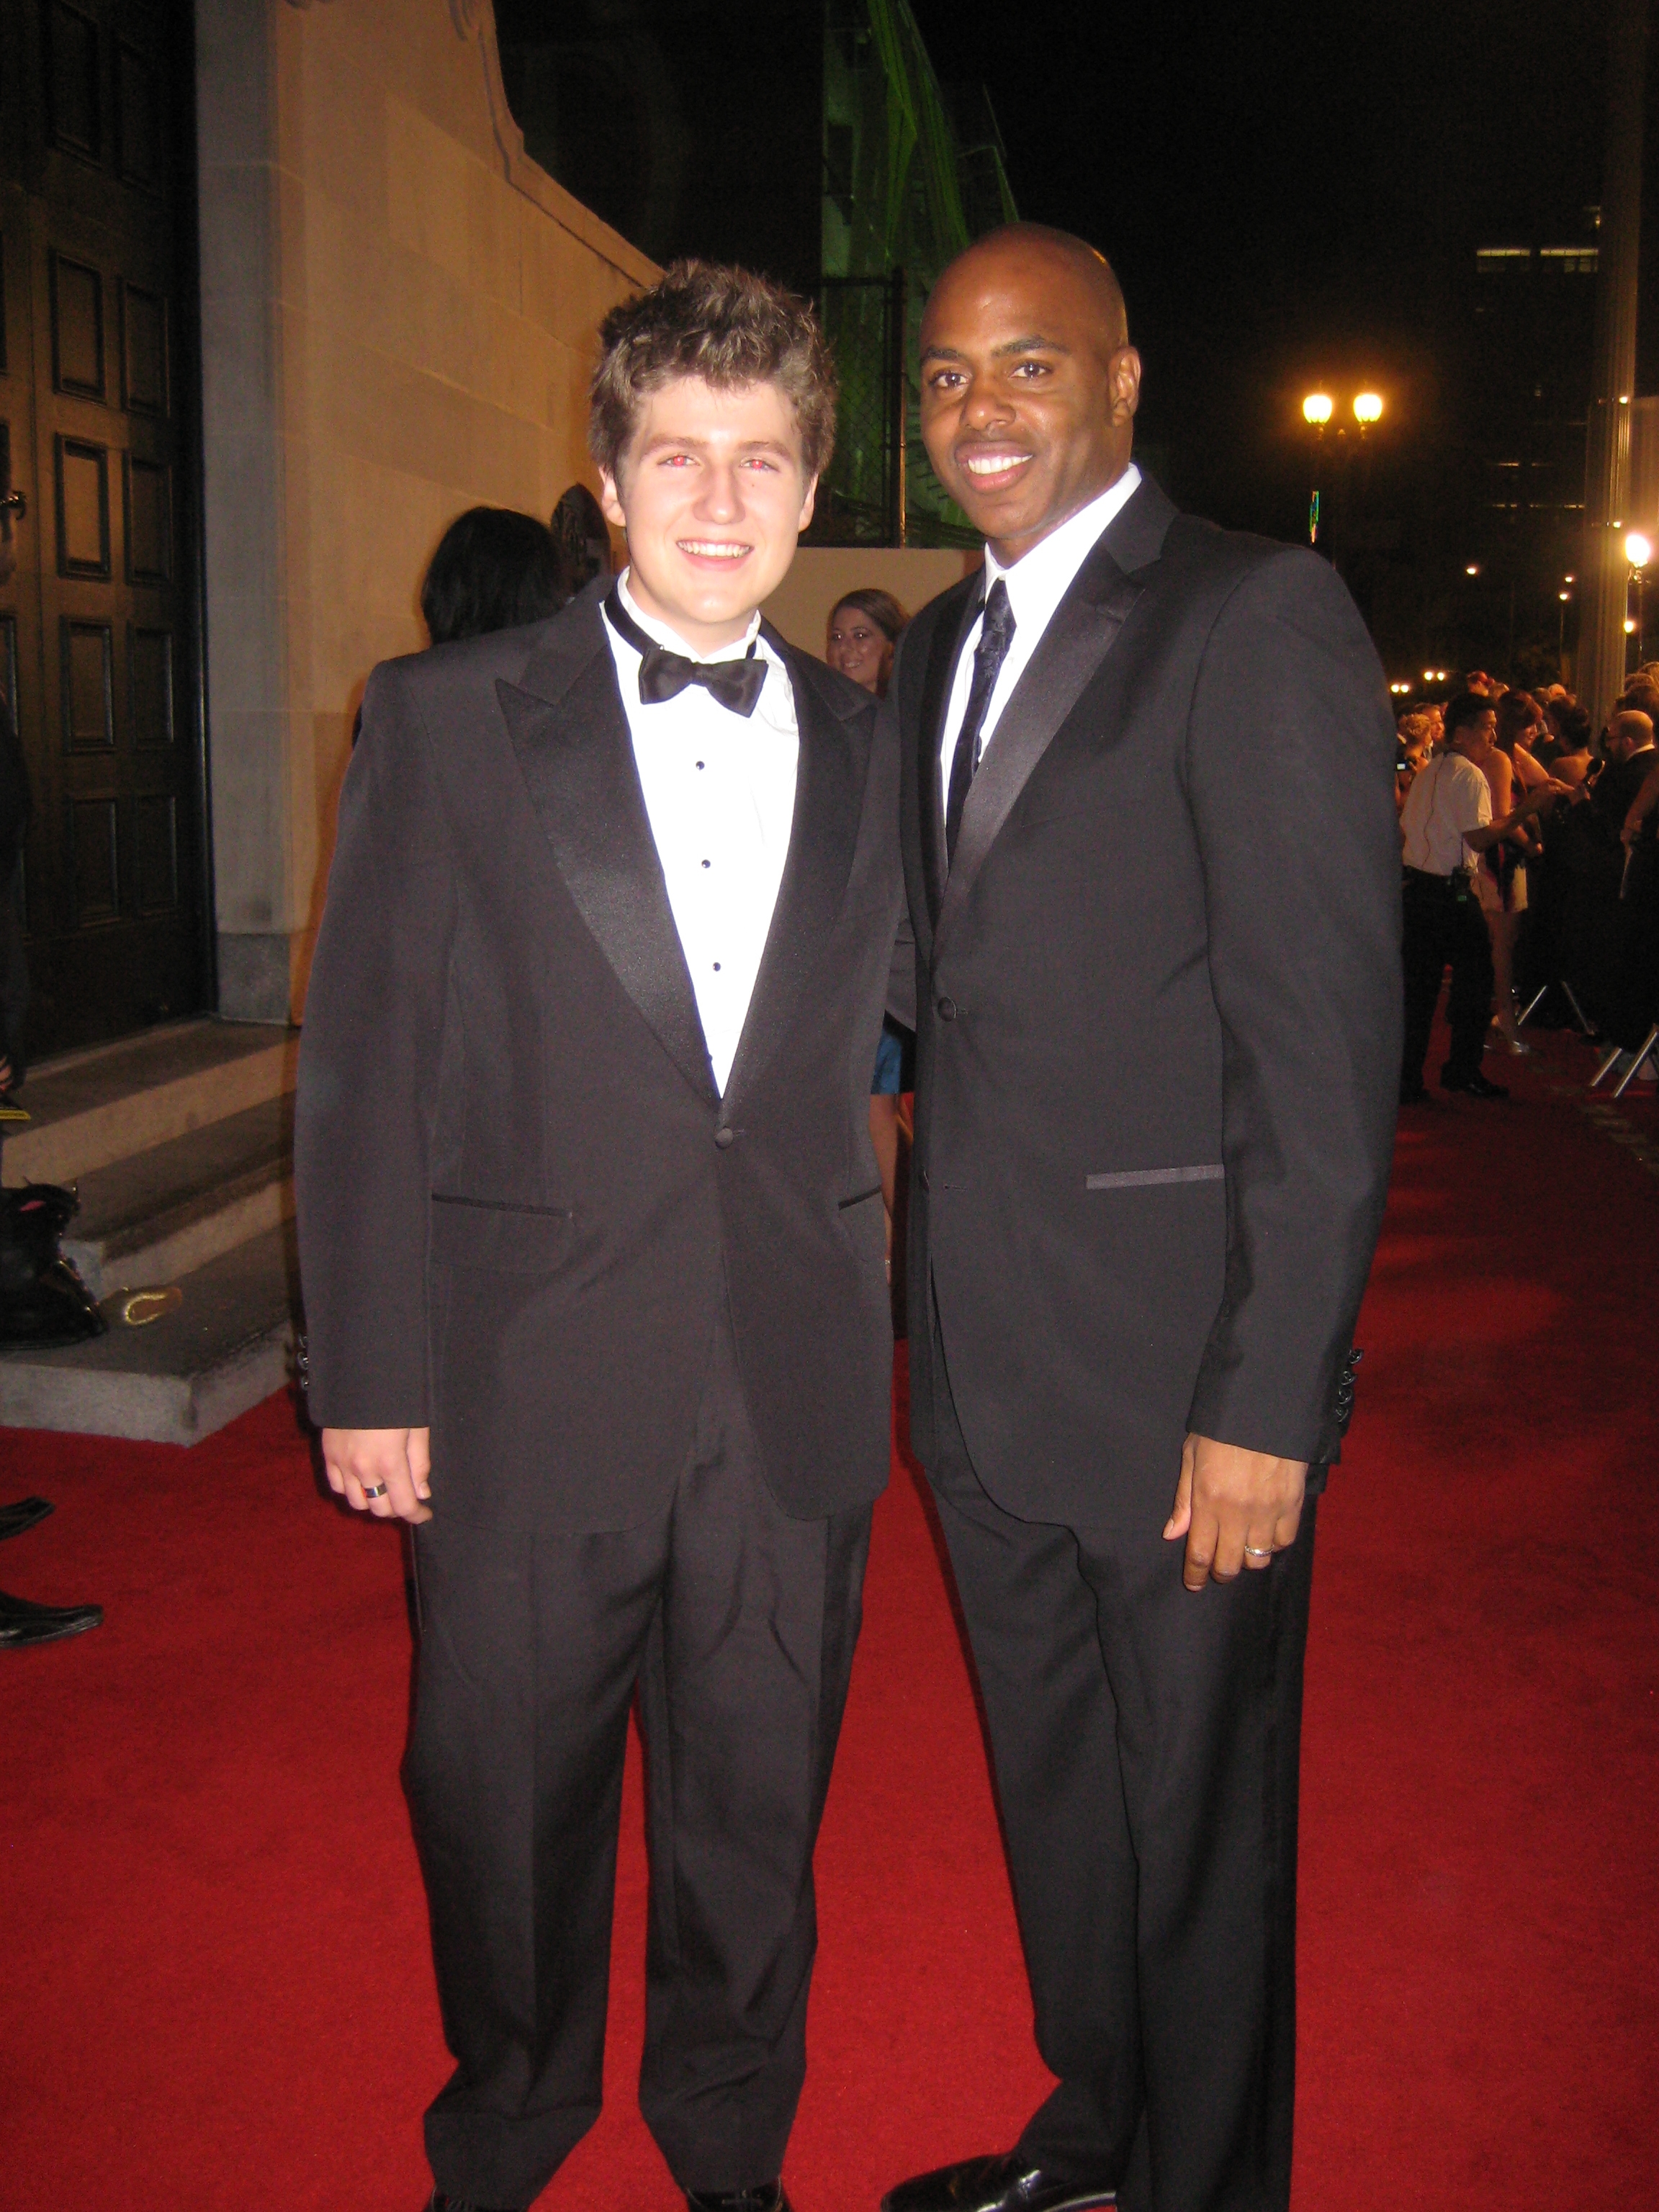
x=1158, y=1015
x=521, y=1202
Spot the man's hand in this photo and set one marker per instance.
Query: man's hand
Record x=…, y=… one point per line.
x=1234, y=1508
x=385, y=1472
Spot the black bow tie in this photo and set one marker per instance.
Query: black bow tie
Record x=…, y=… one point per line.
x=664, y=675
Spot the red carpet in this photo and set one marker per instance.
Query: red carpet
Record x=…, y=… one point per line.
x=217, y=1991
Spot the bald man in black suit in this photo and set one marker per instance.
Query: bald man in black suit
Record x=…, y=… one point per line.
x=1153, y=872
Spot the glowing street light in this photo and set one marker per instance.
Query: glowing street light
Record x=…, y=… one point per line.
x=1638, y=550
x=1316, y=410
x=1367, y=408
x=1473, y=568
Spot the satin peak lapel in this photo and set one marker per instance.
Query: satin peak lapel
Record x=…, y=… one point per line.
x=577, y=761
x=1085, y=628
x=823, y=833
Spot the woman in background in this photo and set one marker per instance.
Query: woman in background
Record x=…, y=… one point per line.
x=495, y=569
x=862, y=631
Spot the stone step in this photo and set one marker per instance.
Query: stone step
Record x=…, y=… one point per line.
x=229, y=1344
x=92, y=1108
x=148, y=1219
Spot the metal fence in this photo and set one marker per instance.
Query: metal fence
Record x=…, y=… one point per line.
x=862, y=498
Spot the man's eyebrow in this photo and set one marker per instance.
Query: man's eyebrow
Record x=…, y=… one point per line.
x=1033, y=341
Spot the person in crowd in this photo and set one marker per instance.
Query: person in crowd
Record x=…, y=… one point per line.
x=589, y=1234
x=582, y=540
x=495, y=569
x=1627, y=879
x=1640, y=696
x=1449, y=823
x=1158, y=1005
x=859, y=637
x=1509, y=868
x=1415, y=744
x=1567, y=756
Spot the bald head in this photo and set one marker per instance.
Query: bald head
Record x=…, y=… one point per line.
x=1079, y=263
x=1628, y=732
x=1029, y=382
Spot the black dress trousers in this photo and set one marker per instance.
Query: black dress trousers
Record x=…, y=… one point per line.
x=738, y=1624
x=1445, y=927
x=1145, y=1740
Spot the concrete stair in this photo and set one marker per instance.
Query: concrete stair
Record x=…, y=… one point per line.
x=179, y=1145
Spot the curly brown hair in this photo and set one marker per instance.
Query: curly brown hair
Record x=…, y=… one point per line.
x=725, y=326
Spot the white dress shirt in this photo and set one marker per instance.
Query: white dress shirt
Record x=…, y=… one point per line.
x=719, y=791
x=1448, y=797
x=1036, y=584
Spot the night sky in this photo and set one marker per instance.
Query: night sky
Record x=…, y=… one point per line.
x=1293, y=195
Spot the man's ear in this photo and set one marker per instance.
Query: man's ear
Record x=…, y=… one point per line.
x=1126, y=383
x=807, y=504
x=610, y=504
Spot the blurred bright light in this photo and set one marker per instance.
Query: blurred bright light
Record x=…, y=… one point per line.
x=1368, y=407
x=1638, y=550
x=1473, y=569
x=1316, y=408
x=1564, y=595
x=1630, y=626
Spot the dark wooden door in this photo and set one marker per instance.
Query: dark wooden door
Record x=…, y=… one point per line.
x=100, y=620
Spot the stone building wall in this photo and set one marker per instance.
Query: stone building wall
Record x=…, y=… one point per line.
x=399, y=312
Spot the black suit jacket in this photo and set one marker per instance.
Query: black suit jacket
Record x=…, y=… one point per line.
x=1158, y=1015
x=521, y=1203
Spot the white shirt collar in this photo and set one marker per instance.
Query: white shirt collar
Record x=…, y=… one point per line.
x=660, y=634
x=1039, y=581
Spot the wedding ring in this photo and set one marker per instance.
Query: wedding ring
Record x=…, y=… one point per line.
x=374, y=1490
x=1251, y=1552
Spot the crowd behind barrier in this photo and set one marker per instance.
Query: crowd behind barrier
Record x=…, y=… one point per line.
x=1558, y=863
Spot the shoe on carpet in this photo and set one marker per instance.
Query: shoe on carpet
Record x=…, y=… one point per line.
x=1415, y=1094
x=1474, y=1086
x=1011, y=2182
x=769, y=2197
x=23, y=1622
x=13, y=1519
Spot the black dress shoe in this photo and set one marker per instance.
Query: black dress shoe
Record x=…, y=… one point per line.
x=1414, y=1094
x=1472, y=1086
x=769, y=2197
x=13, y=1519
x=21, y=1623
x=1011, y=2182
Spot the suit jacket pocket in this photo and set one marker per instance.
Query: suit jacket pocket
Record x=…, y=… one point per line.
x=490, y=1233
x=863, y=1222
x=1155, y=1178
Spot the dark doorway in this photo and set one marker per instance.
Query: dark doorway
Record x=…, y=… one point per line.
x=99, y=633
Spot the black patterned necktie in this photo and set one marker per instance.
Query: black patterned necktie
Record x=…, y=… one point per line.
x=664, y=675
x=996, y=635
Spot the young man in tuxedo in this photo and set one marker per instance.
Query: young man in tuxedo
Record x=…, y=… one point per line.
x=1149, y=837
x=592, y=1238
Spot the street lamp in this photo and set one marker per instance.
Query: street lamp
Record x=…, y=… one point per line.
x=1638, y=552
x=1367, y=408
x=1316, y=413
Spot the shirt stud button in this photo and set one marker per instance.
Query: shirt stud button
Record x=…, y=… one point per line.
x=708, y=864
x=725, y=1139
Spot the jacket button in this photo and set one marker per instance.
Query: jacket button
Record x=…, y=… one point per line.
x=947, y=1010
x=726, y=1138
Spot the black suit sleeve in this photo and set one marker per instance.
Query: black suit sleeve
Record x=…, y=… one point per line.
x=1289, y=763
x=368, y=1072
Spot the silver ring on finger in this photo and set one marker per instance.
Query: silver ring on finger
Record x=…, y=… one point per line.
x=374, y=1490
x=1252, y=1552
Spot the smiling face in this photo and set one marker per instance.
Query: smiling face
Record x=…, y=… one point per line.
x=713, y=494
x=856, y=646
x=1029, y=385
